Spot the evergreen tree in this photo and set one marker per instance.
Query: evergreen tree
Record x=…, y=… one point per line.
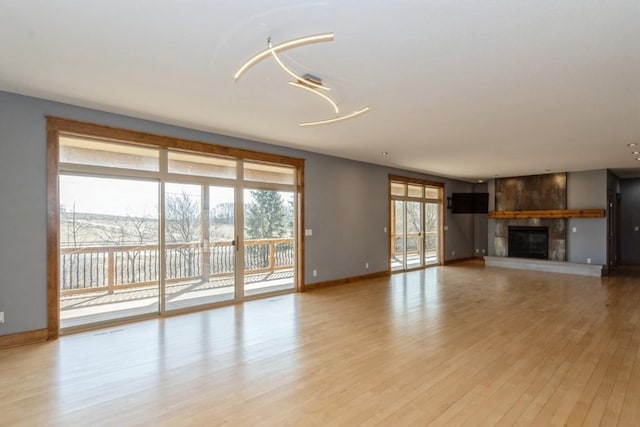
x=265, y=216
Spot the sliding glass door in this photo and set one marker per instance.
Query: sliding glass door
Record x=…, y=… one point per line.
x=398, y=241
x=431, y=233
x=108, y=249
x=148, y=230
x=408, y=235
x=269, y=249
x=415, y=225
x=221, y=247
x=199, y=245
x=414, y=236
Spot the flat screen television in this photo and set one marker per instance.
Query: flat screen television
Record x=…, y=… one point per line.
x=462, y=203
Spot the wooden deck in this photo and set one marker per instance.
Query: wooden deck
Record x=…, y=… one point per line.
x=413, y=261
x=102, y=306
x=452, y=345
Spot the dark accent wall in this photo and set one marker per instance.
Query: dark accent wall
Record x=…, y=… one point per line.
x=613, y=219
x=480, y=225
x=533, y=192
x=630, y=221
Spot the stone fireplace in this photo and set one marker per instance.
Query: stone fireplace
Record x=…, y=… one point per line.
x=535, y=192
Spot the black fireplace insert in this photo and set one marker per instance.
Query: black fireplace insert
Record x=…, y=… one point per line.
x=529, y=242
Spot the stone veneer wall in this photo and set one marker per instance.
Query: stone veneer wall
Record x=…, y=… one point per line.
x=532, y=193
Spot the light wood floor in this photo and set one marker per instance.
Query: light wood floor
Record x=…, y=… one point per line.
x=457, y=345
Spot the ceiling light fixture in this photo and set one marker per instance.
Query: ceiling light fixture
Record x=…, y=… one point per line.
x=307, y=81
x=336, y=119
x=318, y=38
x=633, y=144
x=304, y=86
x=635, y=152
x=385, y=153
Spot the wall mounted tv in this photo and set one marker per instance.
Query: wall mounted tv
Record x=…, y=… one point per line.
x=462, y=203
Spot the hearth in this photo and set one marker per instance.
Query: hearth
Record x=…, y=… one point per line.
x=529, y=242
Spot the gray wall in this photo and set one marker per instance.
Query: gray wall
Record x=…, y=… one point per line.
x=585, y=190
x=458, y=242
x=346, y=206
x=630, y=219
x=480, y=226
x=23, y=198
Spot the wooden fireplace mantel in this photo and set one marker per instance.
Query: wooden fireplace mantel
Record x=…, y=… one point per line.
x=553, y=213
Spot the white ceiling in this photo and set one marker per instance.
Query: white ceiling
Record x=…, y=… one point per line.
x=460, y=88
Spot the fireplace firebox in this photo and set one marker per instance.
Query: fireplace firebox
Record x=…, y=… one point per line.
x=529, y=242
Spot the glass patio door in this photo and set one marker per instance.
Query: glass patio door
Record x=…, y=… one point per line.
x=431, y=233
x=414, y=235
x=148, y=230
x=408, y=235
x=415, y=225
x=109, y=240
x=199, y=245
x=398, y=242
x=269, y=246
x=222, y=245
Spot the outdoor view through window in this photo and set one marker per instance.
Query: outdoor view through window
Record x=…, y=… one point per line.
x=137, y=240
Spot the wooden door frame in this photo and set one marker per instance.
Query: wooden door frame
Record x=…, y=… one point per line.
x=441, y=192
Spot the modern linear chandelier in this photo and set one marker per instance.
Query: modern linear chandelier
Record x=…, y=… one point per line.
x=307, y=82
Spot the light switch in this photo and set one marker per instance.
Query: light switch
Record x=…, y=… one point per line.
x=635, y=228
x=574, y=229
x=308, y=232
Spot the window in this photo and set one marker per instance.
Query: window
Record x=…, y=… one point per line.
x=153, y=227
x=199, y=165
x=261, y=172
x=415, y=223
x=92, y=152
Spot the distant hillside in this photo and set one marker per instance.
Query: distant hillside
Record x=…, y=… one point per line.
x=88, y=229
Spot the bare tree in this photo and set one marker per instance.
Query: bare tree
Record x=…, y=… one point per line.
x=223, y=213
x=76, y=229
x=431, y=219
x=131, y=230
x=414, y=224
x=143, y=229
x=182, y=218
x=182, y=223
